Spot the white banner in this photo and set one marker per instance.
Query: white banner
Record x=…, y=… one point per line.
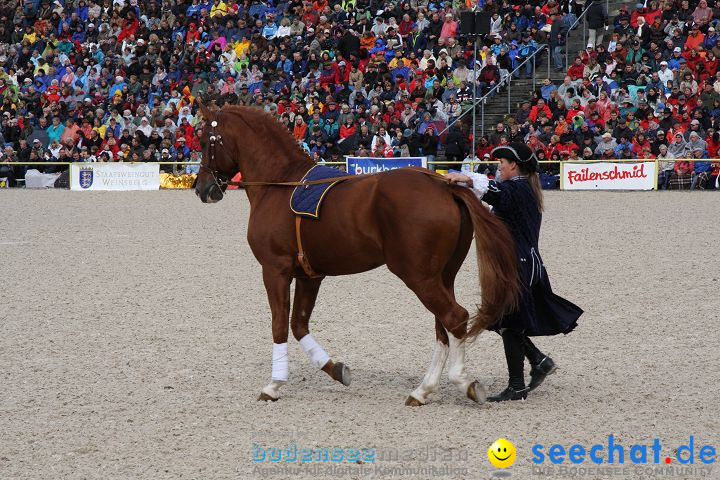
x=608, y=176
x=115, y=176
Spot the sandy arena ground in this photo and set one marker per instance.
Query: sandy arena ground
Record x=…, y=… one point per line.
x=135, y=337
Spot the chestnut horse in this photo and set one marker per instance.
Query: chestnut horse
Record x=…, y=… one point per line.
x=416, y=223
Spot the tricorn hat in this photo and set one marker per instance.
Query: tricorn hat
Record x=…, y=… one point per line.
x=517, y=152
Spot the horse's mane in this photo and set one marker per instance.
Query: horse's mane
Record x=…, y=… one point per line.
x=280, y=134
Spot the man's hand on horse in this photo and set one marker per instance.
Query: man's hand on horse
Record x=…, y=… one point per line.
x=459, y=178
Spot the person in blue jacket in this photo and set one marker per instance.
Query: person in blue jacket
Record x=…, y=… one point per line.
x=516, y=197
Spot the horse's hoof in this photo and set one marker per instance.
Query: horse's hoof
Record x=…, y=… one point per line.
x=477, y=392
x=413, y=402
x=264, y=397
x=341, y=373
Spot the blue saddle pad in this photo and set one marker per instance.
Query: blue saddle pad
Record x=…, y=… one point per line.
x=306, y=200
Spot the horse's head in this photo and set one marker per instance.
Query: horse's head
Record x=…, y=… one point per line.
x=217, y=167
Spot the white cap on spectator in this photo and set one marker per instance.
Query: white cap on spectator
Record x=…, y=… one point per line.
x=141, y=41
x=663, y=62
x=165, y=150
x=677, y=50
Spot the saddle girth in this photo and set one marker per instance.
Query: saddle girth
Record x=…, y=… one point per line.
x=302, y=258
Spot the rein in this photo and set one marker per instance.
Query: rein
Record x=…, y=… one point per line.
x=425, y=171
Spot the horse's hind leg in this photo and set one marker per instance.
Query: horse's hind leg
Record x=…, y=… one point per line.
x=457, y=359
x=458, y=322
x=432, y=377
x=453, y=318
x=306, y=291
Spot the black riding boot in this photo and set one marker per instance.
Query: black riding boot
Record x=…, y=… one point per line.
x=542, y=365
x=532, y=353
x=515, y=356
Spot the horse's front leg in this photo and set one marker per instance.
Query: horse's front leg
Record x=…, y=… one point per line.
x=306, y=291
x=277, y=285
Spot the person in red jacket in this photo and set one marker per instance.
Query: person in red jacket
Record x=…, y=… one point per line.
x=577, y=69
x=695, y=39
x=489, y=75
x=540, y=107
x=684, y=167
x=713, y=143
x=192, y=35
x=639, y=144
x=327, y=75
x=349, y=128
x=653, y=12
x=129, y=27
x=342, y=73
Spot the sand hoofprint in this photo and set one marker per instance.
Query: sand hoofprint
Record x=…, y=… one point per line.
x=136, y=336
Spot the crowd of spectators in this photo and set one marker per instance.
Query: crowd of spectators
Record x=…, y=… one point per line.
x=651, y=92
x=117, y=80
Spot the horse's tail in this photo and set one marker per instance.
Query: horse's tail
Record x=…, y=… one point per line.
x=497, y=263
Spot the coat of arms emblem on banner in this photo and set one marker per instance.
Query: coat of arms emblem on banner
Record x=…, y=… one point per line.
x=86, y=177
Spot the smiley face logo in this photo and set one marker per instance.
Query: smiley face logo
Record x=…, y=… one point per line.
x=502, y=453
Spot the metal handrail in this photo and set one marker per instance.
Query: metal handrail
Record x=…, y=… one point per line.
x=484, y=97
x=567, y=35
x=531, y=57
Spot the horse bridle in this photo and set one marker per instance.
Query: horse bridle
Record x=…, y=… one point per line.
x=221, y=180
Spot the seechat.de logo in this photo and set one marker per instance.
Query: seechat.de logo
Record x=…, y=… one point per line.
x=615, y=453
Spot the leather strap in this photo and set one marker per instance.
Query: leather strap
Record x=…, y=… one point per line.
x=302, y=258
x=425, y=171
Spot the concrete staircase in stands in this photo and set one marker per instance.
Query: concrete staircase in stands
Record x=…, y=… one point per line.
x=496, y=108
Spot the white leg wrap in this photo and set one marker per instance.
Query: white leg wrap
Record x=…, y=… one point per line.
x=318, y=356
x=432, y=377
x=280, y=368
x=273, y=388
x=456, y=372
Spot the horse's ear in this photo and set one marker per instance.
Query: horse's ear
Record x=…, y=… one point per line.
x=207, y=114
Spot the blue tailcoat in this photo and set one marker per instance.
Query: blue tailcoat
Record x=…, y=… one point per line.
x=540, y=311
